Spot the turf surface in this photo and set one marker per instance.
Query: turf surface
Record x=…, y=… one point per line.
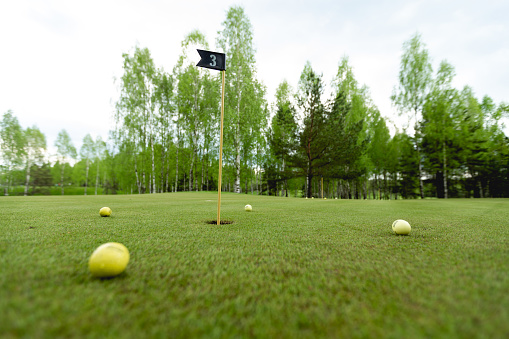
x=291, y=268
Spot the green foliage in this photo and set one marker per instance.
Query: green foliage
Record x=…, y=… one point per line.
x=34, y=151
x=282, y=137
x=87, y=154
x=11, y=147
x=41, y=180
x=65, y=148
x=245, y=116
x=408, y=163
x=439, y=127
x=197, y=103
x=327, y=142
x=414, y=78
x=135, y=114
x=312, y=135
x=65, y=152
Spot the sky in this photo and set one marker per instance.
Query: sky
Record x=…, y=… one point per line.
x=59, y=59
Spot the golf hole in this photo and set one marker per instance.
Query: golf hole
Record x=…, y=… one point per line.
x=222, y=222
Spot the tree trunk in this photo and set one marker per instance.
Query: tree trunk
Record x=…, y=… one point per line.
x=86, y=177
x=208, y=166
x=27, y=181
x=153, y=166
x=386, y=191
x=309, y=179
x=258, y=183
x=202, y=172
x=421, y=183
x=62, y=178
x=177, y=169
x=164, y=185
x=445, y=171
x=236, y=187
x=97, y=177
x=365, y=190
x=191, y=173
x=168, y=188
x=395, y=180
x=144, y=181
x=6, y=188
x=195, y=171
x=138, y=183
x=184, y=183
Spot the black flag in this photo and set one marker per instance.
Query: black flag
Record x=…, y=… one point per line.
x=212, y=60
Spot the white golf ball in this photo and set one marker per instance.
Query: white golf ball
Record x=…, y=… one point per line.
x=248, y=208
x=401, y=227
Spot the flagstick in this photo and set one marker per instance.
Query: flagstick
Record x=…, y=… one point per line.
x=220, y=155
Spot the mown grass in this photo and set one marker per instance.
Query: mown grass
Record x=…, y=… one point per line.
x=292, y=268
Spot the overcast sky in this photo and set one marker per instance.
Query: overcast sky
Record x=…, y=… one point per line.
x=58, y=58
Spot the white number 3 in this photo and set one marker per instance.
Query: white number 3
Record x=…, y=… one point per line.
x=213, y=63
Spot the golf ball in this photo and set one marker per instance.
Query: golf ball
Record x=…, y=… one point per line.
x=248, y=208
x=108, y=260
x=105, y=212
x=401, y=227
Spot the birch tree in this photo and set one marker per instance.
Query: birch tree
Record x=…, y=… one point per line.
x=35, y=148
x=165, y=111
x=65, y=152
x=195, y=108
x=439, y=127
x=135, y=115
x=244, y=101
x=415, y=80
x=99, y=155
x=11, y=146
x=87, y=153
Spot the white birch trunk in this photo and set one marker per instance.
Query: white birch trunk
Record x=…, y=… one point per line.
x=446, y=192
x=27, y=181
x=86, y=176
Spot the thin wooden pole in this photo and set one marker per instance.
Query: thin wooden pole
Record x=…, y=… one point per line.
x=220, y=155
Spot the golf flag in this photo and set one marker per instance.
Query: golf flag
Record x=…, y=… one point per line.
x=212, y=60
x=217, y=61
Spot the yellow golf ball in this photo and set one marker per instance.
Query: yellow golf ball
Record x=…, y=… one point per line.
x=108, y=260
x=401, y=227
x=105, y=212
x=248, y=208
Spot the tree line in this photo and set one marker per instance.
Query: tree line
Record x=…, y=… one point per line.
x=305, y=143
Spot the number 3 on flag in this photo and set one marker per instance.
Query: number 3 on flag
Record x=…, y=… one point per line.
x=212, y=60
